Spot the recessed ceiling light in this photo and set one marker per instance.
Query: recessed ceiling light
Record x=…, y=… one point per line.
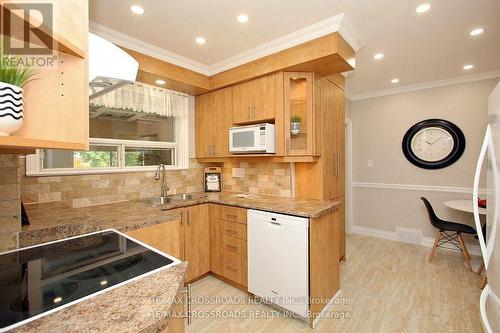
x=467, y=67
x=200, y=40
x=395, y=80
x=57, y=299
x=136, y=9
x=423, y=8
x=378, y=56
x=476, y=32
x=242, y=18
x=162, y=82
x=103, y=282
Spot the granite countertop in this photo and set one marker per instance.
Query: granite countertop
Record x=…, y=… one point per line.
x=52, y=221
x=139, y=306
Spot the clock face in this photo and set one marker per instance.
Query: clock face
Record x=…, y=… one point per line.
x=433, y=144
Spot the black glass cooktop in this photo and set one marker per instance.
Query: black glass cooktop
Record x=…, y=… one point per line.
x=36, y=280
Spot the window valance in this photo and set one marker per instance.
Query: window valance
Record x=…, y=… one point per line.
x=141, y=97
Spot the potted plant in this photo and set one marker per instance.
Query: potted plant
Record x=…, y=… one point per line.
x=295, y=124
x=13, y=77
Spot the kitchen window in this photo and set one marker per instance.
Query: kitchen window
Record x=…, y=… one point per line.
x=128, y=132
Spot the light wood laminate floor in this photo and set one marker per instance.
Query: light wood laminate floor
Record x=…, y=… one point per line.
x=390, y=287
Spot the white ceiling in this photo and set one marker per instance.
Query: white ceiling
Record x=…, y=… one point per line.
x=418, y=48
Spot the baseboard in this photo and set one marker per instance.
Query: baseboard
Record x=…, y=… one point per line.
x=393, y=236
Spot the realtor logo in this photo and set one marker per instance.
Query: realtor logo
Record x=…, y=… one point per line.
x=27, y=34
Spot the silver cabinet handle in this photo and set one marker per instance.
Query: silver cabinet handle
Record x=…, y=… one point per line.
x=182, y=214
x=253, y=111
x=213, y=150
x=248, y=112
x=188, y=219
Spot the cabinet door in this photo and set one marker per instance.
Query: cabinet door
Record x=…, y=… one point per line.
x=165, y=237
x=204, y=125
x=332, y=128
x=298, y=106
x=222, y=111
x=216, y=225
x=56, y=102
x=242, y=103
x=197, y=240
x=264, y=99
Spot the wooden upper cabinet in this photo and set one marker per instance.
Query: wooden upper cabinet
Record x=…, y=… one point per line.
x=222, y=105
x=255, y=101
x=213, y=119
x=56, y=104
x=300, y=136
x=204, y=124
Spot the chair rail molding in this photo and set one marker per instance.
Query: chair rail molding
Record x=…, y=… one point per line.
x=415, y=187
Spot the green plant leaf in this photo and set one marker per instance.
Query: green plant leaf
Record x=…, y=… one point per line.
x=16, y=75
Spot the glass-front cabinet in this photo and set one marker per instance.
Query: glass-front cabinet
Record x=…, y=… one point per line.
x=298, y=106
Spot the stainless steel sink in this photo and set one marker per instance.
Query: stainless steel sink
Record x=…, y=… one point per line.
x=180, y=197
x=158, y=201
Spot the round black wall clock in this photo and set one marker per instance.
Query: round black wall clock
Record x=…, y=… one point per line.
x=433, y=144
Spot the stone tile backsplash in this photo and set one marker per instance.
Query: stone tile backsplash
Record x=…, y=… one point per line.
x=10, y=200
x=89, y=190
x=260, y=177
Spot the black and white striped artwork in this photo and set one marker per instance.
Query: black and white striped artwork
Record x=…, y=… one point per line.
x=11, y=108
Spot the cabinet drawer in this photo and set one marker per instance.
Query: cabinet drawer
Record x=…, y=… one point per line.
x=236, y=230
x=234, y=214
x=234, y=245
x=234, y=267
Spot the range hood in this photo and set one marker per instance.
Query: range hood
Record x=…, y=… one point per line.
x=109, y=67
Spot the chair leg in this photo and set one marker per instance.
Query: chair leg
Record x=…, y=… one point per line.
x=483, y=282
x=481, y=267
x=464, y=250
x=438, y=237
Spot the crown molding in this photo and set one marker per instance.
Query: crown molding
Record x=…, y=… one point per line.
x=338, y=23
x=426, y=85
x=138, y=45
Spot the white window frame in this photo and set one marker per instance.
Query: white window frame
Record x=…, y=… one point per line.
x=34, y=162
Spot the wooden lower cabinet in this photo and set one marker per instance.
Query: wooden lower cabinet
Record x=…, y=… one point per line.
x=324, y=267
x=228, y=243
x=194, y=239
x=165, y=237
x=196, y=225
x=176, y=321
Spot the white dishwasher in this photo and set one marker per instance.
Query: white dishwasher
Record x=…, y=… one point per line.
x=278, y=259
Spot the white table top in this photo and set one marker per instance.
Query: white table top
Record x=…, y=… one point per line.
x=464, y=206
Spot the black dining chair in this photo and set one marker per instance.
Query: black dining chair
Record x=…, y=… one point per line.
x=449, y=233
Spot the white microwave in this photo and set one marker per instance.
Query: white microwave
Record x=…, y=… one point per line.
x=258, y=138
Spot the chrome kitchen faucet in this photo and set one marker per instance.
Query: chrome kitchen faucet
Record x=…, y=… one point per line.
x=159, y=173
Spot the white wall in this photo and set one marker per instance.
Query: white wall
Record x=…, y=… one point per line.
x=379, y=125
